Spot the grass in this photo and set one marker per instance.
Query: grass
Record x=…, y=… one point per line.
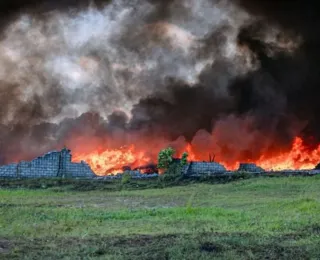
x=259, y=218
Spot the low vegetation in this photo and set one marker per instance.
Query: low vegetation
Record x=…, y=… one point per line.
x=168, y=165
x=165, y=158
x=256, y=218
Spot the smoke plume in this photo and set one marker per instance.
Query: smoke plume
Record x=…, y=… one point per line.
x=238, y=78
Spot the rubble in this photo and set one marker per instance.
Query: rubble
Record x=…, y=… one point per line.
x=250, y=167
x=202, y=168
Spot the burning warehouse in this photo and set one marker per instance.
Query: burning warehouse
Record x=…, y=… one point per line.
x=117, y=81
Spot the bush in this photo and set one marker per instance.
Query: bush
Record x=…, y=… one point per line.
x=165, y=158
x=166, y=162
x=172, y=168
x=126, y=178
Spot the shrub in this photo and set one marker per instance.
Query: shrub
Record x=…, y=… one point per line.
x=165, y=158
x=172, y=168
x=126, y=178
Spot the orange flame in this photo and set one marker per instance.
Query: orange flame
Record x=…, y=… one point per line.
x=111, y=161
x=299, y=157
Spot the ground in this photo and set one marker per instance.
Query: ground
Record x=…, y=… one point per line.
x=259, y=218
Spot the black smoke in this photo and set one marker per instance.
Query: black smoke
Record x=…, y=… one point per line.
x=298, y=77
x=280, y=96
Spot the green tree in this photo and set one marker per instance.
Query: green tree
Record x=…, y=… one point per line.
x=165, y=158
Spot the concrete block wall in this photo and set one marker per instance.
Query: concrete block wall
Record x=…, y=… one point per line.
x=79, y=170
x=196, y=168
x=53, y=164
x=46, y=166
x=9, y=170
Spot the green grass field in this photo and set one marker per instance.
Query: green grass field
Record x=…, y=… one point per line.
x=259, y=218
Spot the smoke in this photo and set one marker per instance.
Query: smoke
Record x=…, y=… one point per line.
x=107, y=74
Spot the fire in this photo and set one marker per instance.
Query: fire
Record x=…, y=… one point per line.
x=112, y=161
x=299, y=157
